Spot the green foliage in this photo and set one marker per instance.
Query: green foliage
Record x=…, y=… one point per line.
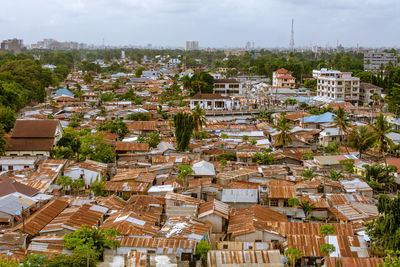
x=87, y=78
x=116, y=126
x=4, y=262
x=253, y=142
x=78, y=259
x=384, y=231
x=95, y=147
x=332, y=148
x=153, y=139
x=308, y=173
x=393, y=99
x=224, y=136
x=34, y=260
x=380, y=130
x=316, y=111
x=379, y=176
x=184, y=172
x=131, y=96
x=96, y=239
x=105, y=97
x=138, y=116
x=335, y=175
x=327, y=249
x=184, y=126
x=3, y=142
x=307, y=207
x=293, y=255
x=64, y=181
x=245, y=138
x=202, y=249
x=308, y=155
x=283, y=126
x=349, y=165
x=139, y=71
x=392, y=259
x=293, y=202
x=199, y=118
x=264, y=114
x=201, y=82
x=311, y=84
x=97, y=187
x=200, y=135
x=360, y=138
x=227, y=156
x=327, y=229
x=265, y=158
x=7, y=118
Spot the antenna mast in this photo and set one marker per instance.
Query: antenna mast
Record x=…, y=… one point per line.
x=292, y=37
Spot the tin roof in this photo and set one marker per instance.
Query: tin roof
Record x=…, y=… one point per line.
x=216, y=258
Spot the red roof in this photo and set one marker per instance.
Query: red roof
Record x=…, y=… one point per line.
x=282, y=71
x=395, y=162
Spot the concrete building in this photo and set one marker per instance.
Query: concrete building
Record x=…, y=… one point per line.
x=374, y=60
x=214, y=102
x=367, y=92
x=192, y=45
x=227, y=87
x=334, y=85
x=283, y=78
x=15, y=45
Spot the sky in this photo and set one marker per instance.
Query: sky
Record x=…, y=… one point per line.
x=214, y=23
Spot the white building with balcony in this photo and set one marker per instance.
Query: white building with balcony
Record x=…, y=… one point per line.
x=214, y=102
x=227, y=87
x=336, y=86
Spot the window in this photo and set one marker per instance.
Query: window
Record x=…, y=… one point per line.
x=225, y=246
x=273, y=203
x=286, y=203
x=26, y=167
x=10, y=167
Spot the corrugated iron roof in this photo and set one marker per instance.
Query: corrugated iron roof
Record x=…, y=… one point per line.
x=217, y=258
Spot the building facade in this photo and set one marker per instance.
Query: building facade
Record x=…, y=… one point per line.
x=227, y=87
x=15, y=45
x=334, y=86
x=192, y=45
x=374, y=60
x=283, y=78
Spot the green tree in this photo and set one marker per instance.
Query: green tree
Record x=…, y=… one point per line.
x=97, y=187
x=265, y=158
x=202, y=249
x=311, y=84
x=139, y=72
x=64, y=181
x=308, y=173
x=202, y=82
x=379, y=176
x=184, y=125
x=293, y=202
x=34, y=260
x=96, y=239
x=77, y=184
x=7, y=118
x=87, y=78
x=342, y=121
x=224, y=136
x=153, y=139
x=327, y=229
x=335, y=175
x=3, y=142
x=307, y=207
x=116, y=126
x=361, y=139
x=327, y=249
x=138, y=116
x=253, y=141
x=4, y=262
x=199, y=118
x=380, y=130
x=293, y=254
x=308, y=155
x=184, y=171
x=332, y=148
x=384, y=231
x=283, y=126
x=96, y=148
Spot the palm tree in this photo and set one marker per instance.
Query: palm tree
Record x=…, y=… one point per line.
x=377, y=176
x=342, y=121
x=284, y=126
x=308, y=173
x=335, y=175
x=380, y=130
x=361, y=139
x=199, y=117
x=307, y=207
x=187, y=82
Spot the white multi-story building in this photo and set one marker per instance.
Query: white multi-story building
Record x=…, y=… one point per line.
x=374, y=60
x=227, y=87
x=334, y=85
x=192, y=45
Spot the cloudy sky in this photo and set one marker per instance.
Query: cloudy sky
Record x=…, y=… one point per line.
x=214, y=23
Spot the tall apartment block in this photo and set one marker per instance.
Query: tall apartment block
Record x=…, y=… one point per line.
x=374, y=60
x=335, y=86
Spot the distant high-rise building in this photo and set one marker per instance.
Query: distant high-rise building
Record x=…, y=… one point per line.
x=374, y=60
x=122, y=54
x=15, y=45
x=191, y=45
x=292, y=37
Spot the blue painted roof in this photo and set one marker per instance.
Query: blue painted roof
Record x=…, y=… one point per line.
x=326, y=117
x=64, y=91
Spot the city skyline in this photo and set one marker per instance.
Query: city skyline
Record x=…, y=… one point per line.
x=226, y=23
